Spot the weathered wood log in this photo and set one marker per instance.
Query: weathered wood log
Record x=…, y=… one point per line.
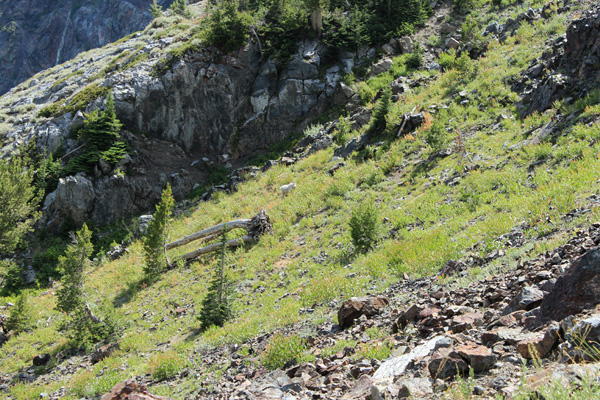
x=216, y=246
x=256, y=227
x=210, y=232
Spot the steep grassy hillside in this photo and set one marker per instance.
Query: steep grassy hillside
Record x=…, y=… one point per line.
x=453, y=189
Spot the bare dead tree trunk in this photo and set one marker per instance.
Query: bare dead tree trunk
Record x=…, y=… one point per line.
x=317, y=20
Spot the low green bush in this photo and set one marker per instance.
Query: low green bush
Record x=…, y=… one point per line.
x=166, y=365
x=364, y=226
x=282, y=349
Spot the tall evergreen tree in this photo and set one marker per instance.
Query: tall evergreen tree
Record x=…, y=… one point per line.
x=18, y=201
x=70, y=298
x=83, y=326
x=155, y=241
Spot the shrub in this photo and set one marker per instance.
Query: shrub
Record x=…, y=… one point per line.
x=447, y=59
x=371, y=22
x=285, y=23
x=463, y=5
x=282, y=349
x=436, y=136
x=155, y=241
x=415, y=59
x=12, y=276
x=166, y=365
x=364, y=226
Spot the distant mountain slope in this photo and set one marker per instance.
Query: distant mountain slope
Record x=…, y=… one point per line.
x=38, y=35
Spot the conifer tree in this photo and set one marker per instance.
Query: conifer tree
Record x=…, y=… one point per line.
x=155, y=241
x=101, y=136
x=156, y=9
x=180, y=7
x=19, y=319
x=83, y=326
x=381, y=110
x=216, y=306
x=18, y=201
x=70, y=298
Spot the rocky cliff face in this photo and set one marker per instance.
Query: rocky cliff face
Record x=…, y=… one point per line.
x=37, y=35
x=234, y=104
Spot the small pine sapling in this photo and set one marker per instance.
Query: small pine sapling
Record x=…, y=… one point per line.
x=364, y=226
x=155, y=241
x=180, y=7
x=156, y=9
x=20, y=318
x=216, y=306
x=381, y=111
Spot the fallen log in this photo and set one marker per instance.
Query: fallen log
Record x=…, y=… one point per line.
x=216, y=246
x=210, y=232
x=256, y=227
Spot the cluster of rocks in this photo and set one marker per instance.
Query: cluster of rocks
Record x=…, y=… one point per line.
x=568, y=69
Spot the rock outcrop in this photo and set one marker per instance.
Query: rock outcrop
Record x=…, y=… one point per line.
x=224, y=104
x=578, y=289
x=569, y=69
x=205, y=104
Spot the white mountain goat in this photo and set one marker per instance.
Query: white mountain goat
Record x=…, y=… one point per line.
x=285, y=189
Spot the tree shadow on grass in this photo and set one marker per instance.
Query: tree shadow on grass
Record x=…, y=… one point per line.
x=425, y=166
x=127, y=294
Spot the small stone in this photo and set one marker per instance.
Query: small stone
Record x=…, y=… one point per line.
x=452, y=43
x=446, y=364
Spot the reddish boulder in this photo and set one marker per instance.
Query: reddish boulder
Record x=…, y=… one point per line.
x=466, y=321
x=406, y=316
x=540, y=343
x=576, y=290
x=356, y=307
x=480, y=358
